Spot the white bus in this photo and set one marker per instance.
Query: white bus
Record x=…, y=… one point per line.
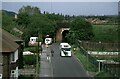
x=65, y=49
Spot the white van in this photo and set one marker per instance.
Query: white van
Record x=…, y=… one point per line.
x=65, y=49
x=48, y=41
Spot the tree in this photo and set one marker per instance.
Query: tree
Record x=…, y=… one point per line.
x=7, y=22
x=23, y=19
x=41, y=24
x=81, y=29
x=24, y=13
x=29, y=10
x=55, y=17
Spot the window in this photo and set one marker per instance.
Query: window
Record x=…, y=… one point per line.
x=12, y=57
x=66, y=49
x=13, y=75
x=65, y=45
x=0, y=76
x=32, y=39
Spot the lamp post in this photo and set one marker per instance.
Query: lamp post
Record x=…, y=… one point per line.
x=37, y=63
x=98, y=60
x=37, y=56
x=99, y=45
x=73, y=37
x=87, y=56
x=73, y=34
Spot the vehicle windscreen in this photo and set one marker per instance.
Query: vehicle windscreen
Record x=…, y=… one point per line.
x=66, y=49
x=47, y=40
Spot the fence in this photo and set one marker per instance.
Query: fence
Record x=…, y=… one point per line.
x=90, y=58
x=113, y=69
x=101, y=46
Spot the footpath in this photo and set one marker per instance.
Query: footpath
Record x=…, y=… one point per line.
x=45, y=64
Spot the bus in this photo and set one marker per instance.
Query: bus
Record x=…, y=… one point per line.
x=65, y=49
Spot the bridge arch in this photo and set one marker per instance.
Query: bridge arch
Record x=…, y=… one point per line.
x=64, y=33
x=61, y=33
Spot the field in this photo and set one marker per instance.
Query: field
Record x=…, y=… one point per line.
x=105, y=33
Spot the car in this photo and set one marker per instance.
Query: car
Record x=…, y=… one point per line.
x=65, y=49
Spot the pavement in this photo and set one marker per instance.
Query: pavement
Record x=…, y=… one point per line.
x=45, y=64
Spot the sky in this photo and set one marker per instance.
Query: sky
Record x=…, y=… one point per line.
x=69, y=8
x=60, y=0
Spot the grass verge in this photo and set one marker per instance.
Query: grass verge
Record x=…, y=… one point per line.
x=83, y=59
x=104, y=75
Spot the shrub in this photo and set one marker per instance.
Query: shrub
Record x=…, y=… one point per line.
x=29, y=59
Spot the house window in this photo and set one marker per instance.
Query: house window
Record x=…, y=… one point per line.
x=12, y=57
x=13, y=74
x=0, y=76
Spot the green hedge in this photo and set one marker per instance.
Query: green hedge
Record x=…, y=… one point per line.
x=29, y=59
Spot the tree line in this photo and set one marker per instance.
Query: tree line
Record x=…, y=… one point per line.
x=33, y=23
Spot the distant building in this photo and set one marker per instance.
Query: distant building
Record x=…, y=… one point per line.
x=10, y=50
x=15, y=16
x=96, y=21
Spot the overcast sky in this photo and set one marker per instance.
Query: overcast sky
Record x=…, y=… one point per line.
x=70, y=8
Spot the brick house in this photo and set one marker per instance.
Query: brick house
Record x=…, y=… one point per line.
x=10, y=49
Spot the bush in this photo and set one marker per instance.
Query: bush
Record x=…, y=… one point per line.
x=26, y=77
x=29, y=59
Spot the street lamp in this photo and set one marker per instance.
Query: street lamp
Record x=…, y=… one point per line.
x=39, y=40
x=37, y=63
x=73, y=34
x=98, y=53
x=99, y=45
x=73, y=37
x=87, y=57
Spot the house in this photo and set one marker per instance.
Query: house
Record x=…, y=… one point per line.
x=20, y=42
x=33, y=41
x=9, y=55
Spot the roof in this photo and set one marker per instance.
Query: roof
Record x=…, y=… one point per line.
x=33, y=37
x=27, y=53
x=65, y=45
x=7, y=44
x=10, y=36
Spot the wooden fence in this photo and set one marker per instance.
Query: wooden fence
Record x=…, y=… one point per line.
x=111, y=68
x=100, y=46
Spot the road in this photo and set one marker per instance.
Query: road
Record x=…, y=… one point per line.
x=66, y=66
